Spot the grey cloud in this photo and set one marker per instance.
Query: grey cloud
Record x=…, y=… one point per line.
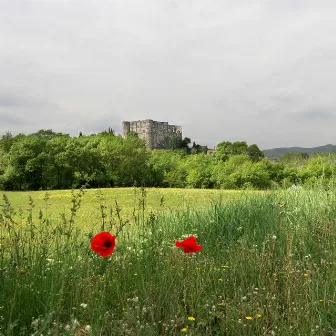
x=12, y=100
x=235, y=70
x=286, y=98
x=319, y=113
x=8, y=118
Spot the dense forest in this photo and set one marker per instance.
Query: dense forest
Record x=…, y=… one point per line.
x=48, y=160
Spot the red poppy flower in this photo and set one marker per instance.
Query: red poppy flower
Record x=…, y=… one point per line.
x=189, y=245
x=103, y=243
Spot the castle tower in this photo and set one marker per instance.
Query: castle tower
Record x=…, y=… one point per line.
x=126, y=128
x=149, y=133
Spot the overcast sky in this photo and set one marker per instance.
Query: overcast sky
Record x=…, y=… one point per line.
x=263, y=71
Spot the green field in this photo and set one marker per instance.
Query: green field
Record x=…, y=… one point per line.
x=265, y=269
x=131, y=201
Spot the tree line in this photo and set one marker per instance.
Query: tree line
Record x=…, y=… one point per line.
x=48, y=160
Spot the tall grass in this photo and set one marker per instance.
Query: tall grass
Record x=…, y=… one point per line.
x=264, y=269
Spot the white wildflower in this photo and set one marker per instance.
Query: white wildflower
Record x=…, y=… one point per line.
x=75, y=323
x=35, y=323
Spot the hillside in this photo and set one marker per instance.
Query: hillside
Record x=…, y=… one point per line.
x=276, y=153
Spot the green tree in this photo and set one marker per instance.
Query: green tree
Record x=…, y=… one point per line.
x=27, y=160
x=226, y=149
x=254, y=153
x=6, y=142
x=162, y=168
x=199, y=171
x=240, y=172
x=60, y=171
x=124, y=160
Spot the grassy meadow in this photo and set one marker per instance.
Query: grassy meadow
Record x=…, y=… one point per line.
x=268, y=266
x=129, y=200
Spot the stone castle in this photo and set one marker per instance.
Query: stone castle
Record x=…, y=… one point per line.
x=158, y=135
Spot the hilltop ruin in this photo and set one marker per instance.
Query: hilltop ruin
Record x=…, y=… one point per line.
x=157, y=134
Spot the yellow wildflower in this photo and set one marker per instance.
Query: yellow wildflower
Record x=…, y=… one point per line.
x=135, y=274
x=306, y=274
x=220, y=279
x=184, y=329
x=258, y=315
x=190, y=318
x=249, y=318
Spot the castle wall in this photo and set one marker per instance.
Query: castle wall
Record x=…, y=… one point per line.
x=158, y=135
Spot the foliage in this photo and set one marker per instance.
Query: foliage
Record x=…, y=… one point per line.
x=226, y=149
x=48, y=160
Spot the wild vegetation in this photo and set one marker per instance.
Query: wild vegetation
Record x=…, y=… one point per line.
x=47, y=160
x=267, y=266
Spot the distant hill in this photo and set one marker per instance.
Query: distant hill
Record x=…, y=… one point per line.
x=276, y=153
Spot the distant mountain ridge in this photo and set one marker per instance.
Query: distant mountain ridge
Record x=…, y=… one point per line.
x=276, y=153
